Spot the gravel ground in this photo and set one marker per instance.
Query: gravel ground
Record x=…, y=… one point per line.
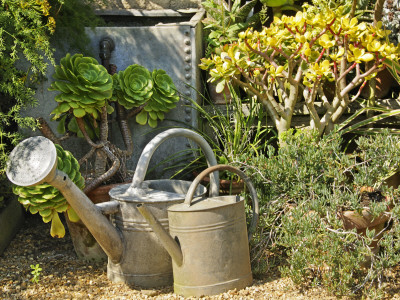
x=63, y=276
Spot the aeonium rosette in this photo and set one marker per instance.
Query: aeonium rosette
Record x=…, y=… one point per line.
x=163, y=99
x=47, y=200
x=84, y=86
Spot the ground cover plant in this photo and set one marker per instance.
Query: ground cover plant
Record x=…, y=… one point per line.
x=305, y=187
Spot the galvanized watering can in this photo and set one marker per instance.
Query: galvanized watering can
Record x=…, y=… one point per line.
x=135, y=256
x=208, y=239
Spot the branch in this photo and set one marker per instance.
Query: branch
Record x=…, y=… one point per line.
x=107, y=175
x=47, y=132
x=81, y=125
x=125, y=131
x=271, y=108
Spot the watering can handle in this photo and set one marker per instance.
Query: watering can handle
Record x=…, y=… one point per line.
x=246, y=179
x=151, y=147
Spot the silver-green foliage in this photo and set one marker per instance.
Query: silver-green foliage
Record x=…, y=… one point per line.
x=46, y=199
x=304, y=187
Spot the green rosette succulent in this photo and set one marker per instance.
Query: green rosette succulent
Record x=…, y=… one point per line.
x=133, y=86
x=164, y=99
x=84, y=86
x=47, y=200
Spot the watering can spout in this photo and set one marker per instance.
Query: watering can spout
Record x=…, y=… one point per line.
x=167, y=241
x=101, y=228
x=34, y=161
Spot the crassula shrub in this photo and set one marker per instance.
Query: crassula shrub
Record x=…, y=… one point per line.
x=326, y=57
x=305, y=189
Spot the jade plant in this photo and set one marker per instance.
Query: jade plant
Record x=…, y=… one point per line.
x=321, y=58
x=224, y=20
x=47, y=200
x=88, y=93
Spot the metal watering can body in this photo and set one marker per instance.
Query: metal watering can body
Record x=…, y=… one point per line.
x=34, y=160
x=146, y=263
x=208, y=240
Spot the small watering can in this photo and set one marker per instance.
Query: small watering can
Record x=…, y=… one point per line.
x=135, y=256
x=208, y=239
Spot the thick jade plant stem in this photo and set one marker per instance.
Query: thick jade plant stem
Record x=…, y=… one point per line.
x=319, y=56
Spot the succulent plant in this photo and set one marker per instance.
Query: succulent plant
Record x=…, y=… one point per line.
x=133, y=86
x=85, y=85
x=47, y=200
x=163, y=99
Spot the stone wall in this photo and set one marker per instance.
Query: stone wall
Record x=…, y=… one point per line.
x=148, y=4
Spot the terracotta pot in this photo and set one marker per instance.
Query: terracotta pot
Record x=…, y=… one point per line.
x=226, y=187
x=85, y=245
x=384, y=83
x=365, y=220
x=219, y=98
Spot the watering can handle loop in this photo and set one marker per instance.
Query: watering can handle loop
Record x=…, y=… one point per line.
x=151, y=147
x=244, y=177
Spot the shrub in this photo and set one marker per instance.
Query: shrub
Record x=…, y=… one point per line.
x=305, y=187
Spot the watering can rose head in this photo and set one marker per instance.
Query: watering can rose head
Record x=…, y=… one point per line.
x=84, y=86
x=47, y=200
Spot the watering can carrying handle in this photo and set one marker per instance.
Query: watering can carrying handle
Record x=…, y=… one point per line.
x=246, y=179
x=151, y=147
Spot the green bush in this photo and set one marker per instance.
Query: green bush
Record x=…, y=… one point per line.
x=304, y=189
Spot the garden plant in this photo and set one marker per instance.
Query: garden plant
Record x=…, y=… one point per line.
x=47, y=200
x=305, y=187
x=88, y=94
x=324, y=59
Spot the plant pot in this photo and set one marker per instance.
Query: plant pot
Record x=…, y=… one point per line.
x=384, y=83
x=11, y=220
x=85, y=245
x=219, y=98
x=362, y=222
x=353, y=219
x=226, y=187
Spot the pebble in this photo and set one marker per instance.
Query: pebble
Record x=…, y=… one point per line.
x=66, y=277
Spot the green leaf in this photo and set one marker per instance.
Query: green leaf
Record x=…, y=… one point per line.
x=72, y=216
x=152, y=123
x=141, y=118
x=79, y=112
x=220, y=86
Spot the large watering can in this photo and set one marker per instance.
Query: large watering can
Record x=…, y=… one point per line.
x=135, y=256
x=208, y=239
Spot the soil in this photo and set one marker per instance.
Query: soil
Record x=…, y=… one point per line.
x=63, y=276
